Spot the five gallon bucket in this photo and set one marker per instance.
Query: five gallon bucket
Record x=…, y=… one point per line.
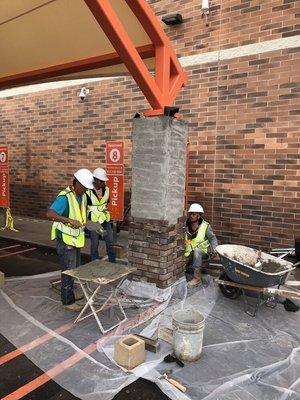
x=188, y=326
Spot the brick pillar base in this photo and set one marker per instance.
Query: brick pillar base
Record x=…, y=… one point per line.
x=156, y=250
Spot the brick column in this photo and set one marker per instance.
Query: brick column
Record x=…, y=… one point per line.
x=157, y=202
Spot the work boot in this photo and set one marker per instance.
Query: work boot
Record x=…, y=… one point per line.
x=74, y=307
x=78, y=296
x=196, y=281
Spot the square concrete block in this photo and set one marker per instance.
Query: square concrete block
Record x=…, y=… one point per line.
x=1, y=279
x=129, y=352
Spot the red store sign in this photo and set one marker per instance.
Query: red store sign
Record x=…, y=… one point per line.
x=115, y=172
x=4, y=177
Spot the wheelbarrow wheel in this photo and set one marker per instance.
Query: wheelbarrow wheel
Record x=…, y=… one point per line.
x=230, y=292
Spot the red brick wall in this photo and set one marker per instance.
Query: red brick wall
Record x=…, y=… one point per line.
x=244, y=137
x=231, y=23
x=52, y=133
x=243, y=117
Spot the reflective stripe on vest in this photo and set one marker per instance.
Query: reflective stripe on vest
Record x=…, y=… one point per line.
x=199, y=241
x=71, y=236
x=98, y=210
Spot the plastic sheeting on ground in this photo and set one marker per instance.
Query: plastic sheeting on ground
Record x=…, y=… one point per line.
x=243, y=358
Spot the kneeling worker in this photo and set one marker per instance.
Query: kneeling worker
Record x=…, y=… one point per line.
x=97, y=201
x=69, y=212
x=200, y=242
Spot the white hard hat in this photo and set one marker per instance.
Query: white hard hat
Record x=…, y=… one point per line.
x=100, y=174
x=85, y=177
x=195, y=207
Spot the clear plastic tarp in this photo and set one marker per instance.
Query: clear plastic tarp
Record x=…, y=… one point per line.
x=243, y=358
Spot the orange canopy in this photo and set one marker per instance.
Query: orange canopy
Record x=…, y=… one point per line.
x=43, y=40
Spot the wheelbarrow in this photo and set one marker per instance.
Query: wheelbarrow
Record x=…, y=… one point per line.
x=253, y=273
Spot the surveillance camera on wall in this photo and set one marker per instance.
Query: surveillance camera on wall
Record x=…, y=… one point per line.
x=205, y=6
x=83, y=93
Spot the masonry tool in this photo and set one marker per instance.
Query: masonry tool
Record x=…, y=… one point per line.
x=165, y=375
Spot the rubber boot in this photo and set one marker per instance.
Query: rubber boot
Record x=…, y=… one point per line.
x=197, y=280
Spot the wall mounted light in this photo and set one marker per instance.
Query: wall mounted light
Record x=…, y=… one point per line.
x=172, y=19
x=205, y=10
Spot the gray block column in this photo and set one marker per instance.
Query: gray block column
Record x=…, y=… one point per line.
x=157, y=199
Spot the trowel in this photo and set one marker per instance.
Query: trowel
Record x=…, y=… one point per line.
x=258, y=265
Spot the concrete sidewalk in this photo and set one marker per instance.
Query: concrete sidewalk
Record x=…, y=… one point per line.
x=37, y=231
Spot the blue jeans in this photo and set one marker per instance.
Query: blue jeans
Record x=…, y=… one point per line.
x=109, y=242
x=69, y=258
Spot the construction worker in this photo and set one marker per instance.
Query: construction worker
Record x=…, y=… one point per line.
x=200, y=242
x=97, y=201
x=68, y=213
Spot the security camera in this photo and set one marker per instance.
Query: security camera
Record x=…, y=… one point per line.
x=83, y=93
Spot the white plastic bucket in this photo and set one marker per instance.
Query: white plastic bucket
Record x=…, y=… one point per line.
x=188, y=326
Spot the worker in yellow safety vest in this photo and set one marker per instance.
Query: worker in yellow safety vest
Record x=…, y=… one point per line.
x=200, y=242
x=69, y=213
x=97, y=203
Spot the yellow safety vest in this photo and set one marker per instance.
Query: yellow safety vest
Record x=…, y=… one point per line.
x=71, y=236
x=199, y=241
x=98, y=210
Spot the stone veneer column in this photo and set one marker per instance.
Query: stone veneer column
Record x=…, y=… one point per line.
x=157, y=200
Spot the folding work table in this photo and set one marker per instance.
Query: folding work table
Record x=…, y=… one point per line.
x=92, y=277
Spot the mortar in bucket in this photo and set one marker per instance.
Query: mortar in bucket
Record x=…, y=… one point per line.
x=188, y=327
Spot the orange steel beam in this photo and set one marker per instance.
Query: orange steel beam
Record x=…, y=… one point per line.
x=169, y=75
x=162, y=70
x=114, y=30
x=71, y=67
x=167, y=66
